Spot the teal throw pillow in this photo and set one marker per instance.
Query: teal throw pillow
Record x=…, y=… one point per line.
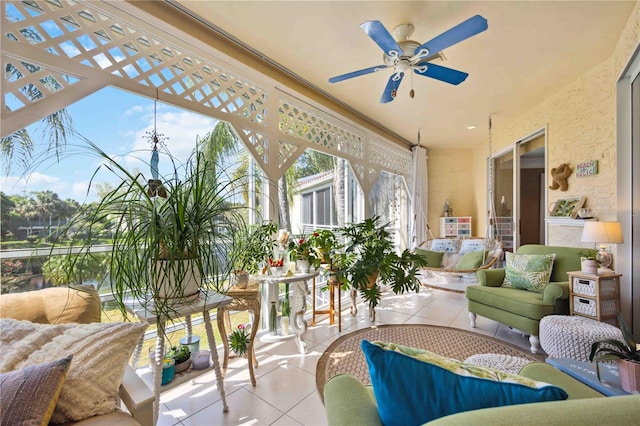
x=472, y=260
x=414, y=386
x=433, y=258
x=529, y=272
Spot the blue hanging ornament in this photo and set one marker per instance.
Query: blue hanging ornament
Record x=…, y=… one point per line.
x=155, y=158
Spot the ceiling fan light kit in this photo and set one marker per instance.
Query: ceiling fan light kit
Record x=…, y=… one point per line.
x=404, y=55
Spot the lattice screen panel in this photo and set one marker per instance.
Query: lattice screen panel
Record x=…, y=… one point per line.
x=300, y=123
x=79, y=32
x=396, y=162
x=259, y=145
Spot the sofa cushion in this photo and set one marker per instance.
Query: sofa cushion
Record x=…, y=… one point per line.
x=527, y=304
x=472, y=244
x=414, y=386
x=29, y=395
x=55, y=305
x=472, y=260
x=448, y=245
x=529, y=272
x=433, y=258
x=100, y=351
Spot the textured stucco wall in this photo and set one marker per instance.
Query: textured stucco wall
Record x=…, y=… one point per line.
x=581, y=126
x=450, y=173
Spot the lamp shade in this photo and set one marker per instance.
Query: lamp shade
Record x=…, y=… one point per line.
x=602, y=232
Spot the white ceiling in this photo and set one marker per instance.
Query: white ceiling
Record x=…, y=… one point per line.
x=530, y=50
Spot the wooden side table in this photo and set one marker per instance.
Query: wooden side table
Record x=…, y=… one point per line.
x=331, y=311
x=595, y=296
x=244, y=299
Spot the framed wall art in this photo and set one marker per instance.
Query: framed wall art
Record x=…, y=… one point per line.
x=566, y=207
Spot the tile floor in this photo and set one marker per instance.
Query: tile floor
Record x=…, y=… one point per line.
x=285, y=393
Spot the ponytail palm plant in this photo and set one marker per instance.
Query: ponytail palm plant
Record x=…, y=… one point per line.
x=163, y=231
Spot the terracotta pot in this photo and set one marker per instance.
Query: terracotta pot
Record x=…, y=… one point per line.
x=629, y=375
x=242, y=279
x=372, y=280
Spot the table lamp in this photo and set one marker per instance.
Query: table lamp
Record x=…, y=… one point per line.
x=602, y=233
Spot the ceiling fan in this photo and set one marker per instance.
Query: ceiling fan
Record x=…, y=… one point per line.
x=403, y=54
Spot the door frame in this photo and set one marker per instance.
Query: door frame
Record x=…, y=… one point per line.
x=515, y=148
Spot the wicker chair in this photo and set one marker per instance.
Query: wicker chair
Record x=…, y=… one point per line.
x=455, y=249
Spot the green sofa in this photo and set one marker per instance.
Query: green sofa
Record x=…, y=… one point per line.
x=523, y=309
x=349, y=402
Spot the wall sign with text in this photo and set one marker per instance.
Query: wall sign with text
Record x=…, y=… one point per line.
x=588, y=168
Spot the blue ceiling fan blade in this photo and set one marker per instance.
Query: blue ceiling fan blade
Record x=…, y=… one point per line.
x=462, y=31
x=392, y=87
x=381, y=37
x=448, y=75
x=358, y=73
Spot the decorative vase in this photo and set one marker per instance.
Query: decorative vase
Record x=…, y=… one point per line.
x=284, y=324
x=273, y=319
x=589, y=266
x=629, y=375
x=303, y=265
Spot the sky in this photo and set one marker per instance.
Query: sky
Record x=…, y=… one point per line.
x=116, y=121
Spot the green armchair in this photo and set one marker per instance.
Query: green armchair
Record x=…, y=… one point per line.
x=521, y=309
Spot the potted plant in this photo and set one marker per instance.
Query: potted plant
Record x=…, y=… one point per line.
x=302, y=251
x=324, y=241
x=588, y=262
x=239, y=340
x=370, y=258
x=181, y=356
x=162, y=251
x=626, y=354
x=254, y=245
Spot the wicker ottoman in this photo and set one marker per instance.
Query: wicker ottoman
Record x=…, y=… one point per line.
x=508, y=363
x=571, y=337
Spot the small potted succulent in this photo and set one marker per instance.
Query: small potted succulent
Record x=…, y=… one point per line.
x=626, y=354
x=181, y=355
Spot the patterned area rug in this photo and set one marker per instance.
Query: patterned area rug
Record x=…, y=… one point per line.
x=345, y=356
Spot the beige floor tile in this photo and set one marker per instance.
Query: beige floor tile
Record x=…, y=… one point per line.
x=244, y=409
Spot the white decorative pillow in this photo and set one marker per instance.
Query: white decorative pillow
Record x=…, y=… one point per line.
x=450, y=260
x=100, y=351
x=469, y=245
x=444, y=244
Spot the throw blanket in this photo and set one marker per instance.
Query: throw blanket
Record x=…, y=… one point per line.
x=100, y=351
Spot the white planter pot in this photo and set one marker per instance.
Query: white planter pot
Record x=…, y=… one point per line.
x=589, y=266
x=166, y=271
x=302, y=265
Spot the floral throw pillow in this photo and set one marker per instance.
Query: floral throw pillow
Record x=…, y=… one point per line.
x=529, y=272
